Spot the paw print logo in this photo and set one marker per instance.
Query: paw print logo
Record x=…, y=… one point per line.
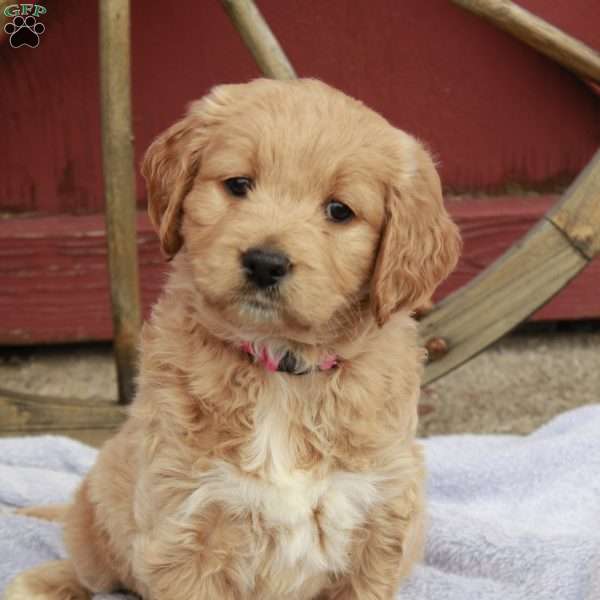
x=24, y=32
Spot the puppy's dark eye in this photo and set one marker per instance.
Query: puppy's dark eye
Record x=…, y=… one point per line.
x=238, y=186
x=338, y=211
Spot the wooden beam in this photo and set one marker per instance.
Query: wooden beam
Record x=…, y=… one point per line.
x=259, y=39
x=517, y=284
x=20, y=413
x=578, y=218
x=539, y=34
x=119, y=184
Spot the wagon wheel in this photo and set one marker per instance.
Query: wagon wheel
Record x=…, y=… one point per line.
x=534, y=269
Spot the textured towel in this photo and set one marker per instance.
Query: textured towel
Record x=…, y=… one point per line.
x=510, y=518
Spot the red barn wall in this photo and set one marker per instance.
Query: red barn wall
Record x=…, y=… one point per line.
x=501, y=118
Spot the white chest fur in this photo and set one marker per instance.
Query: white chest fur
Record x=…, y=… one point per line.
x=311, y=520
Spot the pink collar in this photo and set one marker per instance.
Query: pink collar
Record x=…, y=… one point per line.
x=286, y=362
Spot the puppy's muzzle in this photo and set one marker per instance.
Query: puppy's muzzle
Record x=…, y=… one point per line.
x=265, y=267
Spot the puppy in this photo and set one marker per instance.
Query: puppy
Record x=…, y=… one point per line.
x=270, y=452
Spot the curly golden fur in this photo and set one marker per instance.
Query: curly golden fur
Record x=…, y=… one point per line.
x=232, y=482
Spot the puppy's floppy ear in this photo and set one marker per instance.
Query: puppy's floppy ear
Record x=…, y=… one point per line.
x=420, y=244
x=172, y=161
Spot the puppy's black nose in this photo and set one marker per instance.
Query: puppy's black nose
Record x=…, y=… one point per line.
x=265, y=267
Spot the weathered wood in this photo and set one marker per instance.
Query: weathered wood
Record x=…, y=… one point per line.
x=539, y=34
x=20, y=413
x=522, y=280
x=54, y=284
x=119, y=187
x=259, y=39
x=579, y=218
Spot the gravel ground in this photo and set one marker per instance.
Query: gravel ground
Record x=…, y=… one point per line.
x=514, y=387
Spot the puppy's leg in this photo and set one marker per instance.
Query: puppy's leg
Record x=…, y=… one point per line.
x=189, y=578
x=211, y=587
x=51, y=512
x=202, y=557
x=88, y=545
x=51, y=581
x=56, y=580
x=388, y=547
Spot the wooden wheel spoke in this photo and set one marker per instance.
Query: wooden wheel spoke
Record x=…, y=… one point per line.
x=539, y=34
x=259, y=39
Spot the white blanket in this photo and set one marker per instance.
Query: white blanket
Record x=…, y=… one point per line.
x=510, y=518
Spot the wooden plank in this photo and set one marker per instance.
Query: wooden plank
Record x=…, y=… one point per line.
x=24, y=412
x=54, y=281
x=579, y=219
x=522, y=280
x=259, y=39
x=119, y=189
x=539, y=34
x=499, y=299
x=89, y=421
x=54, y=278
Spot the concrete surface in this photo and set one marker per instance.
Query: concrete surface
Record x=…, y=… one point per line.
x=513, y=387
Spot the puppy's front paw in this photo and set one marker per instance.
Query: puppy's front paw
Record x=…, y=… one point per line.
x=20, y=589
x=51, y=581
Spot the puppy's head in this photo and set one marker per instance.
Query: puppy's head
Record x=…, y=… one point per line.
x=298, y=208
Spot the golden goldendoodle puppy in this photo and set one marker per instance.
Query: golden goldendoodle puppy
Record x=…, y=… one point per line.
x=270, y=452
